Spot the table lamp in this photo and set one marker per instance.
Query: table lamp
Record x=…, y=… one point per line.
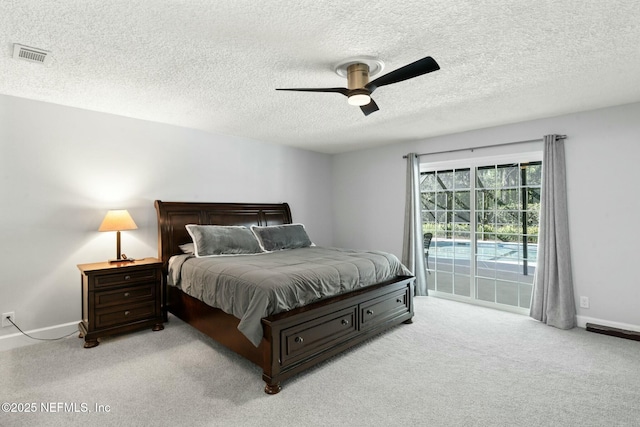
x=118, y=220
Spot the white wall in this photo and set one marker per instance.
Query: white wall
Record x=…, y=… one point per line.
x=62, y=168
x=603, y=154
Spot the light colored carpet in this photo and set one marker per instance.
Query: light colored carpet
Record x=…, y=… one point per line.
x=456, y=365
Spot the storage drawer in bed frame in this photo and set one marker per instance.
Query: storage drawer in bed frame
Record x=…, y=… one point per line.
x=313, y=336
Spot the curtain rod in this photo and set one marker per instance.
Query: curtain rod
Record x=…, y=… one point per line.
x=484, y=146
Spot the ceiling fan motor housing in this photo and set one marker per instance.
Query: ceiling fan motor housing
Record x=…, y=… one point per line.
x=357, y=76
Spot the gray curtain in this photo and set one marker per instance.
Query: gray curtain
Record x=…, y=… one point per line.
x=553, y=302
x=413, y=247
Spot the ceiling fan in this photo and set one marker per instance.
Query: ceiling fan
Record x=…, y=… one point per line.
x=359, y=88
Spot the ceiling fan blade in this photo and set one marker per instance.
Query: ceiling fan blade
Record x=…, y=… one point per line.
x=342, y=90
x=415, y=69
x=371, y=107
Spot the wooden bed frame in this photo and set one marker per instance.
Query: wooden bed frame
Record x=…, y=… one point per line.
x=294, y=340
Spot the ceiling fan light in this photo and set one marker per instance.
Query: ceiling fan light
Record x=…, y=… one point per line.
x=359, y=99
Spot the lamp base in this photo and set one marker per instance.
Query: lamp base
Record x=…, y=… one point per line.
x=111, y=261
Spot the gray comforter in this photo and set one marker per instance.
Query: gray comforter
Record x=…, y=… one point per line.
x=251, y=287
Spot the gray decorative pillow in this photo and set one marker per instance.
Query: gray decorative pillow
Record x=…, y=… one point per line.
x=286, y=236
x=211, y=240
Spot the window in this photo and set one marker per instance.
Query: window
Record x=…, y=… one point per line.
x=484, y=223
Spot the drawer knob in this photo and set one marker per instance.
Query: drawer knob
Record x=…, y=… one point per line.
x=126, y=313
x=298, y=340
x=399, y=300
x=127, y=277
x=345, y=322
x=369, y=312
x=126, y=294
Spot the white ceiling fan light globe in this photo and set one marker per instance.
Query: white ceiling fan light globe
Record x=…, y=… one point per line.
x=359, y=99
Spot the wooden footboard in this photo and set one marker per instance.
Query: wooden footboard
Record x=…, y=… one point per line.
x=296, y=340
x=301, y=338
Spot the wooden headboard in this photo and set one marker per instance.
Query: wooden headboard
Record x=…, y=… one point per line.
x=173, y=216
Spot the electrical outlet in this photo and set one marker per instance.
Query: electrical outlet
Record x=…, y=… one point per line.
x=5, y=322
x=584, y=302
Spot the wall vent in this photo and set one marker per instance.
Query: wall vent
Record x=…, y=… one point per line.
x=31, y=54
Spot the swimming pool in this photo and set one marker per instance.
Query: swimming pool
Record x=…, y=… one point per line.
x=508, y=252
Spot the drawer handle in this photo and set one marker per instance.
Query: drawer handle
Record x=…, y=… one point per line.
x=399, y=300
x=345, y=322
x=298, y=340
x=126, y=313
x=127, y=277
x=369, y=312
x=126, y=294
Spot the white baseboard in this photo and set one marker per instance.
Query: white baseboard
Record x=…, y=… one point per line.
x=17, y=339
x=583, y=320
x=7, y=342
x=580, y=320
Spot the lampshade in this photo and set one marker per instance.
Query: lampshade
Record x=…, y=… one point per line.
x=118, y=220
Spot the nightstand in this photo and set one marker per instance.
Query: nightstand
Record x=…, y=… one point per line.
x=120, y=297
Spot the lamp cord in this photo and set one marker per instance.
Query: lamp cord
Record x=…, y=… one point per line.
x=39, y=339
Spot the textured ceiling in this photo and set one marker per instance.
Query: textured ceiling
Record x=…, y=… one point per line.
x=214, y=65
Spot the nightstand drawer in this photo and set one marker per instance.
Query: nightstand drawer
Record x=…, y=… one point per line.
x=123, y=278
x=126, y=296
x=118, y=315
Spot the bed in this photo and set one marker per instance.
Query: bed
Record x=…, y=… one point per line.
x=291, y=341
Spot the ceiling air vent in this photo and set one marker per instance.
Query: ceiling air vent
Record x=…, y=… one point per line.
x=31, y=54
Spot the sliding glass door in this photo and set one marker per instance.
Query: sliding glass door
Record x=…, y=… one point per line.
x=446, y=214
x=483, y=224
